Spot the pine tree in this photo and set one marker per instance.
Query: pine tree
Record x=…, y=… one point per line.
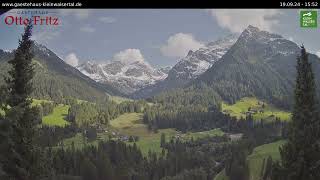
x=22, y=72
x=21, y=159
x=300, y=156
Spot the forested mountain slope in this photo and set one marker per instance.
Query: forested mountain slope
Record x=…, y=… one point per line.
x=54, y=79
x=259, y=64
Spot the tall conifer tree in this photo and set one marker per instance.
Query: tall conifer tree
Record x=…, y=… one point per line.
x=19, y=127
x=300, y=156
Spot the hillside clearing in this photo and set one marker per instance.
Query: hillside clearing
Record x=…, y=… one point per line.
x=118, y=99
x=259, y=109
x=255, y=160
x=37, y=102
x=131, y=124
x=57, y=117
x=79, y=141
x=202, y=134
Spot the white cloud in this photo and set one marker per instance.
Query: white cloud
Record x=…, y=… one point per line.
x=128, y=56
x=179, y=45
x=45, y=35
x=107, y=20
x=87, y=29
x=77, y=13
x=238, y=20
x=72, y=59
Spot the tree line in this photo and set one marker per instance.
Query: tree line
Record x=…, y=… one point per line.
x=197, y=159
x=192, y=119
x=85, y=114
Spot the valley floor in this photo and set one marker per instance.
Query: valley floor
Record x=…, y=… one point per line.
x=131, y=124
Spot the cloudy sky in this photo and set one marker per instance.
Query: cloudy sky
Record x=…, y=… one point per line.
x=158, y=36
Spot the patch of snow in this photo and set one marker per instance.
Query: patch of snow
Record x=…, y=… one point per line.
x=7, y=51
x=197, y=62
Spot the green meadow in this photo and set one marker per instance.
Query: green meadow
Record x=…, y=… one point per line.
x=79, y=141
x=119, y=99
x=57, y=117
x=131, y=124
x=37, y=102
x=262, y=110
x=255, y=160
x=202, y=134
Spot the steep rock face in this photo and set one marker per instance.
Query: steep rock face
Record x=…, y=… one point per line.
x=190, y=67
x=128, y=77
x=165, y=69
x=197, y=62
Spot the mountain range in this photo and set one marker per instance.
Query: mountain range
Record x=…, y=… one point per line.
x=254, y=63
x=258, y=63
x=190, y=67
x=137, y=77
x=127, y=77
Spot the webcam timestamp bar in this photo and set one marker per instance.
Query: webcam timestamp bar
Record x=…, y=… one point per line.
x=298, y=4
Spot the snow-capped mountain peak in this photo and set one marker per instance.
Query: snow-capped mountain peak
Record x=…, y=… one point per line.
x=41, y=48
x=265, y=43
x=191, y=66
x=127, y=76
x=197, y=62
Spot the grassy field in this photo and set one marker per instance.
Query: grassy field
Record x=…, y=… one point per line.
x=240, y=108
x=131, y=124
x=119, y=99
x=37, y=102
x=128, y=120
x=126, y=124
x=79, y=141
x=151, y=141
x=57, y=117
x=203, y=134
x=255, y=160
